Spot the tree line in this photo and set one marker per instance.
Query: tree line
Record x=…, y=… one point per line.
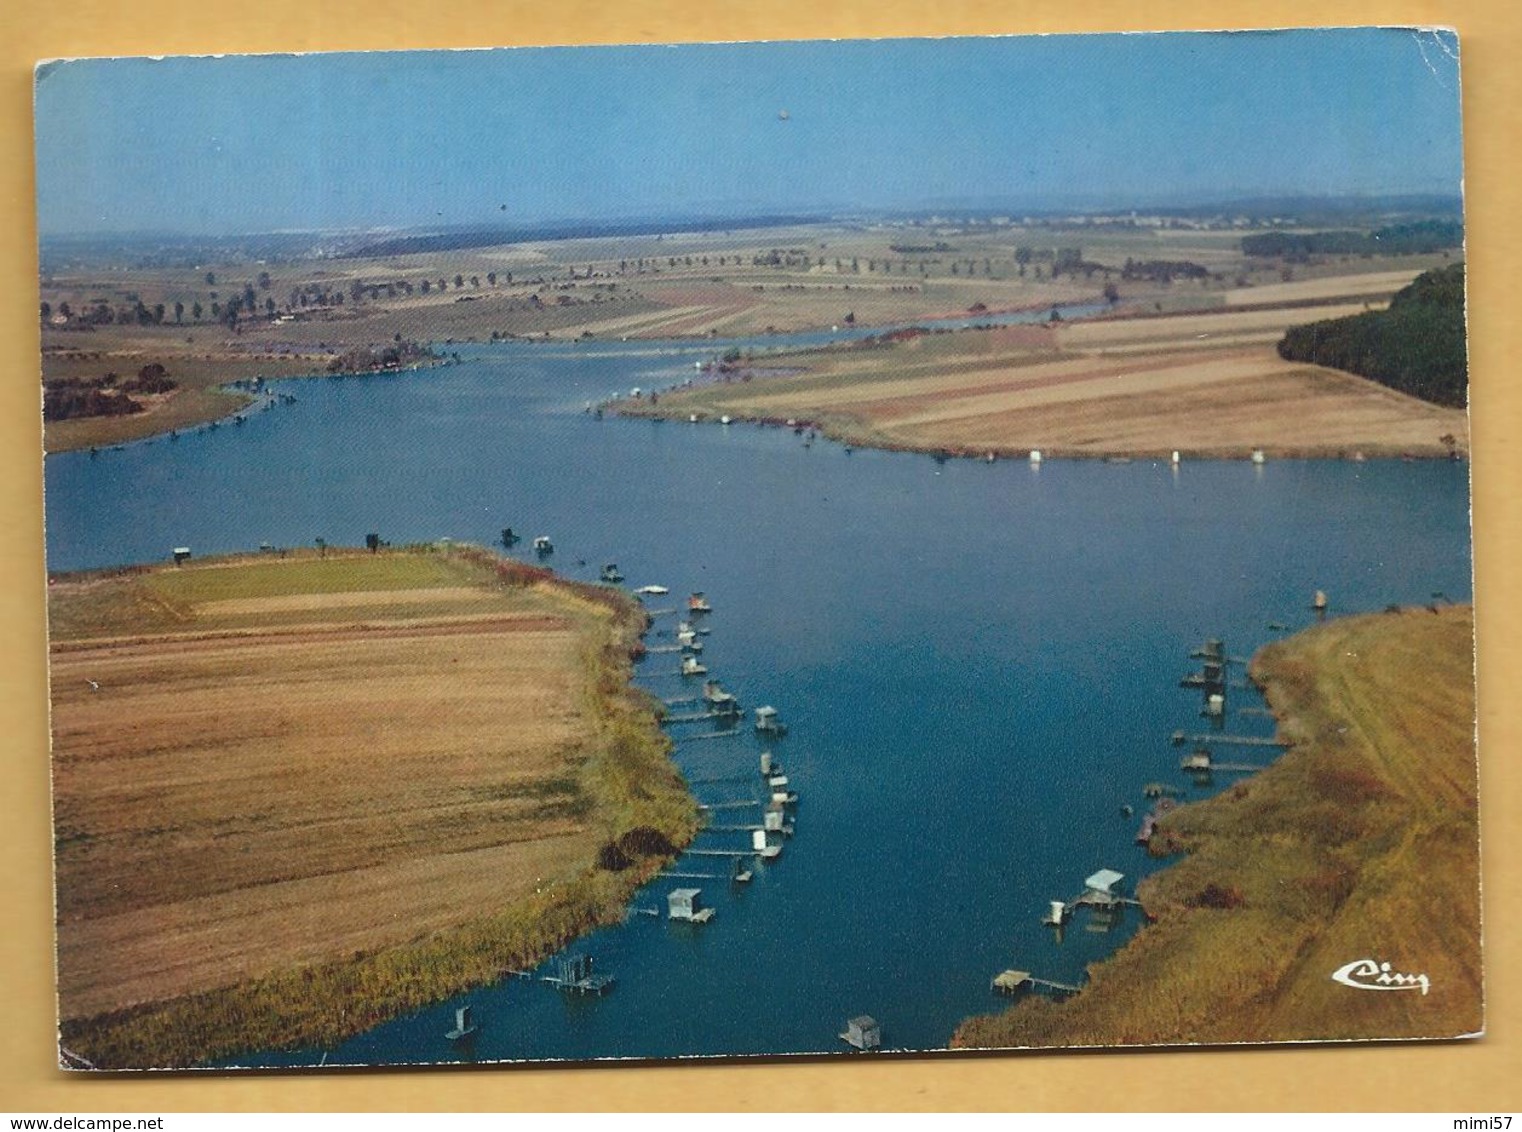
x=1420, y=238
x=67, y=398
x=1416, y=346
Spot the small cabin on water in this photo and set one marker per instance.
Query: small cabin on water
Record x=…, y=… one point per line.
x=1011, y=982
x=863, y=1033
x=686, y=904
x=691, y=666
x=697, y=603
x=575, y=972
x=1103, y=886
x=767, y=722
x=543, y=545
x=718, y=700
x=1199, y=760
x=610, y=573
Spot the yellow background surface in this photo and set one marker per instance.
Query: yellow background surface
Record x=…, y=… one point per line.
x=1468, y=1077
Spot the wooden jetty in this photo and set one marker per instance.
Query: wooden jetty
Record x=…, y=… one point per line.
x=728, y=805
x=1182, y=737
x=574, y=973
x=464, y=1025
x=695, y=717
x=688, y=876
x=1202, y=762
x=730, y=734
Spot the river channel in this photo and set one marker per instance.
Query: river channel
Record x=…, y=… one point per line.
x=978, y=663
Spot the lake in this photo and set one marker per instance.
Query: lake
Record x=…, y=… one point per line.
x=978, y=663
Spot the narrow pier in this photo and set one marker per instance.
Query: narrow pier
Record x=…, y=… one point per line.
x=695, y=717
x=1013, y=982
x=728, y=805
x=712, y=735
x=1181, y=737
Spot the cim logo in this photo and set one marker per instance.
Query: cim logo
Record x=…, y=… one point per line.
x=1368, y=974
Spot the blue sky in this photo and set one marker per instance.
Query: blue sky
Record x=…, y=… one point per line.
x=261, y=143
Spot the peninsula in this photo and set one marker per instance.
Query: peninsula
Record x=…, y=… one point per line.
x=297, y=794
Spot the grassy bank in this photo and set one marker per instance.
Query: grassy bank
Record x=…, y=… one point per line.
x=1361, y=841
x=359, y=784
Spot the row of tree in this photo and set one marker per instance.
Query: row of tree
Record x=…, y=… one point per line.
x=67, y=398
x=1416, y=346
x=1422, y=237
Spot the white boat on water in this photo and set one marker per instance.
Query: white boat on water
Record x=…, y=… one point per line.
x=652, y=590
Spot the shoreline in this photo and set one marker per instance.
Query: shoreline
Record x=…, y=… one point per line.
x=632, y=783
x=850, y=438
x=1285, y=875
x=213, y=416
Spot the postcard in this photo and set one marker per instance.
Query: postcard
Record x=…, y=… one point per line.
x=756, y=549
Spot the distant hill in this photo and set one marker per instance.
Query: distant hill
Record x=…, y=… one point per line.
x=461, y=239
x=1416, y=346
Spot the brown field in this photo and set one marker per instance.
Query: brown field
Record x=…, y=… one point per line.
x=1381, y=284
x=1205, y=384
x=1361, y=841
x=272, y=764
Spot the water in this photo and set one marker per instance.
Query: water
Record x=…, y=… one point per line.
x=978, y=662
